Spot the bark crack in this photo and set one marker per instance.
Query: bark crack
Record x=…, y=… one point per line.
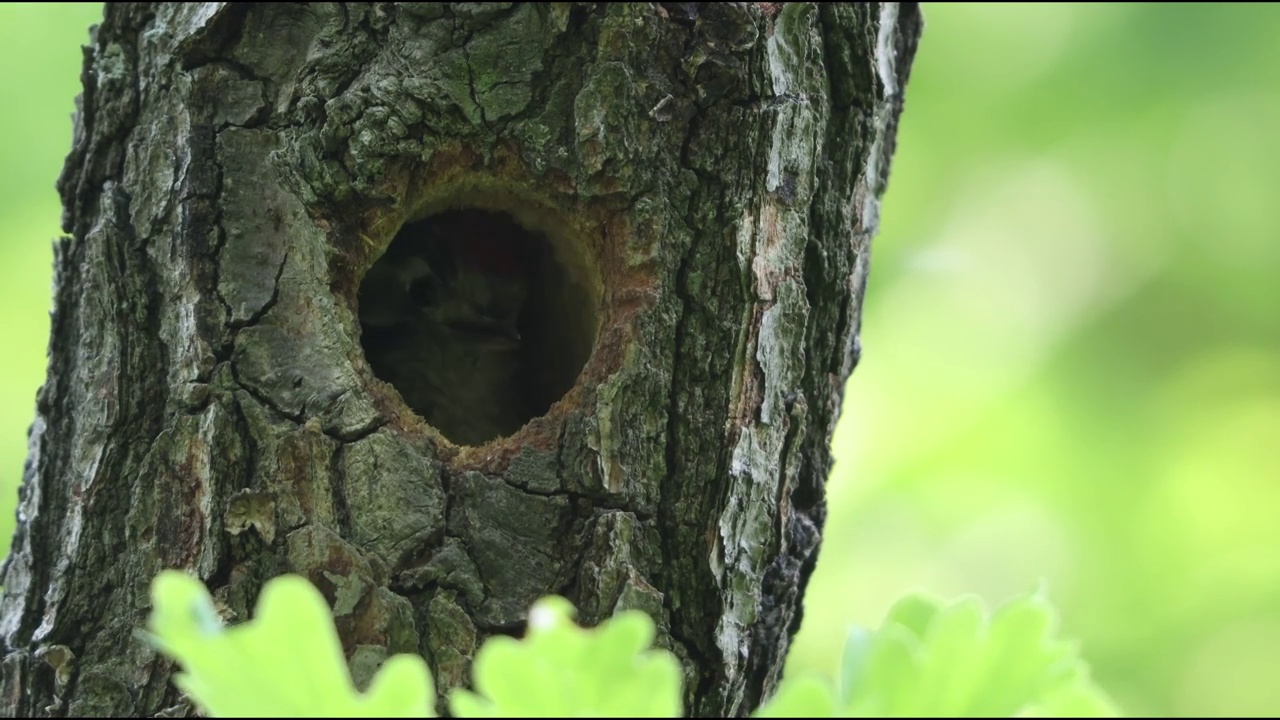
x=337, y=490
x=296, y=418
x=471, y=76
x=358, y=433
x=219, y=244
x=670, y=484
x=256, y=316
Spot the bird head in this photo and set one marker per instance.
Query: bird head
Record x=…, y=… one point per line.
x=471, y=287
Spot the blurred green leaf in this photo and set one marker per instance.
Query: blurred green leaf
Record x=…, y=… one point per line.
x=928, y=660
x=286, y=662
x=803, y=697
x=562, y=670
x=957, y=660
x=853, y=666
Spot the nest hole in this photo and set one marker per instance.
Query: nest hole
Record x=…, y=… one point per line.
x=477, y=320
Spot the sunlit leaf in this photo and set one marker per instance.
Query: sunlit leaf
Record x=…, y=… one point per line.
x=286, y=662
x=962, y=661
x=562, y=670
x=957, y=660
x=804, y=697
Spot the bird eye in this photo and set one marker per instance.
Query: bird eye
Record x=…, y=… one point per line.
x=425, y=291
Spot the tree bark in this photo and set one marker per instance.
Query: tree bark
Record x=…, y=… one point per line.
x=706, y=179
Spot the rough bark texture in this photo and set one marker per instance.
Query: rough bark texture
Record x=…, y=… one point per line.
x=708, y=174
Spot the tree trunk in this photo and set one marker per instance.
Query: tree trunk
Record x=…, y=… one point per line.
x=702, y=181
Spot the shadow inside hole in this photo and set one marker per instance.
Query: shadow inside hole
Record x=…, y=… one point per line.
x=470, y=316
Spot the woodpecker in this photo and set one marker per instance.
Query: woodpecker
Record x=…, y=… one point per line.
x=440, y=317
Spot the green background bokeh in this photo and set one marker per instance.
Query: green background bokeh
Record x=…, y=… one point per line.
x=1071, y=361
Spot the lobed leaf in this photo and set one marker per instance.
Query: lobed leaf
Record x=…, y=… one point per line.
x=957, y=660
x=562, y=670
x=286, y=662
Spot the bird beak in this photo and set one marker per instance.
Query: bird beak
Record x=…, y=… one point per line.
x=493, y=335
x=503, y=339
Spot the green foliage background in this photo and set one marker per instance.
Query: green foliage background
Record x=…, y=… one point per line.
x=1072, y=339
